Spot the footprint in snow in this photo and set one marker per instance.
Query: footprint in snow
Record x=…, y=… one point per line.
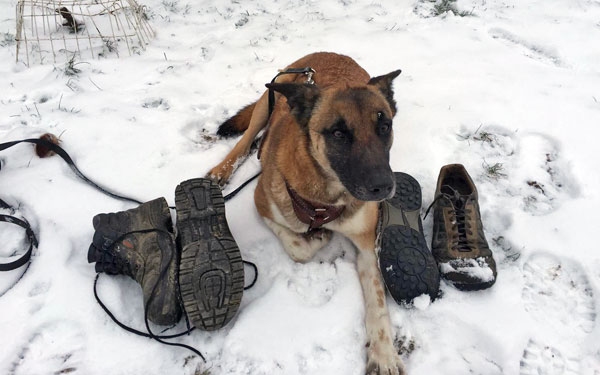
x=543, y=359
x=55, y=348
x=558, y=296
x=524, y=166
x=314, y=283
x=532, y=49
x=543, y=174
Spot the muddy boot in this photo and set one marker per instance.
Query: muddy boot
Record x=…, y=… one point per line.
x=407, y=265
x=211, y=273
x=459, y=245
x=140, y=243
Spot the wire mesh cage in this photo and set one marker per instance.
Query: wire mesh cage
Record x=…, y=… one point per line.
x=61, y=30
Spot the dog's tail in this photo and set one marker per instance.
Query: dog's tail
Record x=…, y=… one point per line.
x=238, y=123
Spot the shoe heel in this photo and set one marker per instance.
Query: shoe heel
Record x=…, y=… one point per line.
x=406, y=264
x=408, y=192
x=408, y=198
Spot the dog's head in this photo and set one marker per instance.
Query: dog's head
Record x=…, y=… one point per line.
x=350, y=131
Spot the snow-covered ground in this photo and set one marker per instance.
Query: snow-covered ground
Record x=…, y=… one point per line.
x=511, y=90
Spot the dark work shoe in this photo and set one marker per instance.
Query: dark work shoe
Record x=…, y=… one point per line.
x=139, y=243
x=407, y=265
x=459, y=245
x=211, y=272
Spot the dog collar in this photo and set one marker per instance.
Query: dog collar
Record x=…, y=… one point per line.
x=314, y=215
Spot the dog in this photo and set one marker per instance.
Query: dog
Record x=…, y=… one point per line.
x=325, y=167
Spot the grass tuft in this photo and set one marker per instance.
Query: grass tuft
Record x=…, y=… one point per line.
x=7, y=39
x=494, y=171
x=442, y=7
x=70, y=67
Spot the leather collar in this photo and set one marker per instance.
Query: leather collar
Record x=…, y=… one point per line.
x=315, y=215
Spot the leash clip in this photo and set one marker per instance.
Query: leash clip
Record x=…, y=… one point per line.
x=309, y=74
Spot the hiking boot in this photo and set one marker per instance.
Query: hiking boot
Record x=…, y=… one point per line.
x=406, y=264
x=459, y=245
x=211, y=272
x=140, y=243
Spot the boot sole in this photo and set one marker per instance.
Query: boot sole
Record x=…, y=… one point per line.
x=407, y=266
x=211, y=271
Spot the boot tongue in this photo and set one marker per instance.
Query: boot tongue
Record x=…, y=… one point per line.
x=457, y=200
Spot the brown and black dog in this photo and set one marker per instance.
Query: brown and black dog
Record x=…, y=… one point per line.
x=325, y=167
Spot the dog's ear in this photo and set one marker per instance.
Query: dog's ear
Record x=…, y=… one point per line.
x=300, y=97
x=384, y=84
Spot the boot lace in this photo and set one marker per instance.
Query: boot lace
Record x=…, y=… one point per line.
x=123, y=266
x=459, y=217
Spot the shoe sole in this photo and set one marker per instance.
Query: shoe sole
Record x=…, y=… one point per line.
x=407, y=266
x=471, y=287
x=211, y=271
x=466, y=283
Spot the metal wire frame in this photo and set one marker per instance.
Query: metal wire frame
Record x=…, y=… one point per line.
x=96, y=26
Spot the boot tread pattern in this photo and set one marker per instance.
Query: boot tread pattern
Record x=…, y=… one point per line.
x=407, y=266
x=211, y=274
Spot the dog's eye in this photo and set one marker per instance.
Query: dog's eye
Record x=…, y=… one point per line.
x=384, y=128
x=384, y=125
x=339, y=133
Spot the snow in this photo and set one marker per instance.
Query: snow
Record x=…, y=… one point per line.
x=477, y=269
x=511, y=91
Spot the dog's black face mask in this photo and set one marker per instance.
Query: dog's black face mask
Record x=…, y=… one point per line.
x=359, y=155
x=358, y=141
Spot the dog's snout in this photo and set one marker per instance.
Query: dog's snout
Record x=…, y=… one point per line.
x=379, y=187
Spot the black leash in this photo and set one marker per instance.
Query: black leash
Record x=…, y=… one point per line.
x=308, y=71
x=33, y=242
x=65, y=156
x=31, y=238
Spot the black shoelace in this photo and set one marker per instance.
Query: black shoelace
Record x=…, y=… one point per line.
x=119, y=266
x=125, y=268
x=460, y=216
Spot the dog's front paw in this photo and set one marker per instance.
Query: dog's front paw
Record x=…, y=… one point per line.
x=389, y=364
x=320, y=237
x=221, y=173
